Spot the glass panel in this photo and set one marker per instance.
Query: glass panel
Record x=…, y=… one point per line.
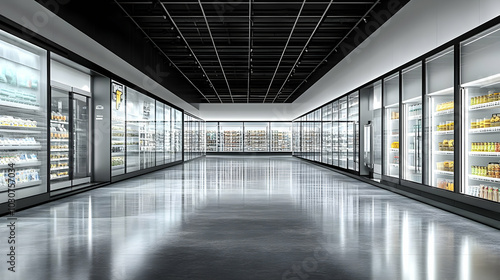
x=118, y=102
x=132, y=128
x=81, y=138
x=23, y=117
x=281, y=136
x=169, y=151
x=231, y=136
x=412, y=123
x=439, y=120
x=59, y=140
x=353, y=131
x=335, y=133
x=480, y=77
x=391, y=128
x=177, y=134
x=343, y=133
x=160, y=133
x=256, y=137
x=212, y=133
x=326, y=149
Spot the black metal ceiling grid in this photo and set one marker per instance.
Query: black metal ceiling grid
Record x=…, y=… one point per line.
x=248, y=51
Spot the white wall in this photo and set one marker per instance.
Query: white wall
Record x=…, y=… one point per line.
x=421, y=26
x=246, y=112
x=35, y=17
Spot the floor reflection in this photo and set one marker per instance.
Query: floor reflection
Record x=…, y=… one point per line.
x=247, y=218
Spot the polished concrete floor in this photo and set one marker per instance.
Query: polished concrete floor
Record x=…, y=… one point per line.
x=247, y=218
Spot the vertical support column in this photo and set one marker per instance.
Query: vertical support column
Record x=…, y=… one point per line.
x=101, y=135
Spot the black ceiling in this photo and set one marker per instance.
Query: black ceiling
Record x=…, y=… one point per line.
x=244, y=51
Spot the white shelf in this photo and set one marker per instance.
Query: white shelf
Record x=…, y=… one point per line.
x=28, y=184
x=59, y=150
x=489, y=105
x=446, y=132
x=484, y=82
x=59, y=177
x=441, y=172
x=444, y=112
x=19, y=129
x=485, y=130
x=484, y=154
x=59, y=159
x=394, y=165
x=59, y=168
x=484, y=179
x=118, y=167
x=419, y=117
x=14, y=147
x=444, y=153
x=22, y=164
x=58, y=122
x=59, y=140
x=394, y=135
x=19, y=105
x=394, y=150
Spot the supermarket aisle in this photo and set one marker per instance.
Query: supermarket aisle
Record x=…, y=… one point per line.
x=247, y=218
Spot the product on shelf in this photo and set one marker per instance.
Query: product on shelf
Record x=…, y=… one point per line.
x=394, y=115
x=485, y=192
x=56, y=116
x=395, y=145
x=492, y=147
x=28, y=141
x=487, y=98
x=17, y=157
x=446, y=126
x=415, y=110
x=59, y=147
x=445, y=106
x=494, y=121
x=446, y=166
x=447, y=145
x=492, y=170
x=116, y=161
x=445, y=184
x=22, y=176
x=13, y=121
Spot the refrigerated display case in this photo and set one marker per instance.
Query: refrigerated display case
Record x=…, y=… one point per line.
x=439, y=121
x=335, y=133
x=256, y=136
x=412, y=123
x=353, y=131
x=281, y=136
x=169, y=150
x=391, y=126
x=326, y=121
x=296, y=138
x=177, y=134
x=23, y=117
x=80, y=139
x=60, y=139
x=231, y=136
x=160, y=133
x=118, y=117
x=212, y=136
x=343, y=133
x=480, y=82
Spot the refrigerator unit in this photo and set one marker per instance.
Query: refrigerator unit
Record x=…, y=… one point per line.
x=439, y=121
x=480, y=91
x=353, y=131
x=326, y=150
x=412, y=123
x=391, y=126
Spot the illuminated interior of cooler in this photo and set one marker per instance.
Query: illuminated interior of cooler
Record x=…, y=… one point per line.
x=480, y=78
x=439, y=121
x=176, y=134
x=335, y=133
x=59, y=140
x=23, y=114
x=412, y=124
x=353, y=131
x=281, y=136
x=256, y=137
x=343, y=137
x=231, y=136
x=212, y=135
x=160, y=133
x=118, y=117
x=326, y=150
x=391, y=128
x=168, y=134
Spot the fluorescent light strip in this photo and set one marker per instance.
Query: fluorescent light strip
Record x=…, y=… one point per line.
x=480, y=37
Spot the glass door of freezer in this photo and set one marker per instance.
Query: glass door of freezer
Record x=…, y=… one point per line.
x=412, y=123
x=81, y=139
x=439, y=120
x=480, y=82
x=391, y=126
x=60, y=139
